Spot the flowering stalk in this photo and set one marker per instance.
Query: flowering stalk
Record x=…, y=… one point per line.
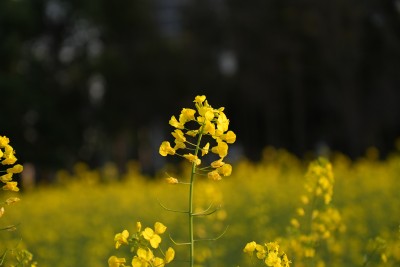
x=142, y=243
x=211, y=122
x=191, y=191
x=317, y=221
x=21, y=257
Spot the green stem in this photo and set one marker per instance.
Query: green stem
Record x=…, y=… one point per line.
x=191, y=191
x=191, y=215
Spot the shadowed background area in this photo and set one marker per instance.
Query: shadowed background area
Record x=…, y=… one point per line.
x=98, y=80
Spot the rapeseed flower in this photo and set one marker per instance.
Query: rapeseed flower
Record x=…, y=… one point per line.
x=152, y=237
x=142, y=243
x=121, y=238
x=268, y=253
x=11, y=186
x=211, y=122
x=113, y=261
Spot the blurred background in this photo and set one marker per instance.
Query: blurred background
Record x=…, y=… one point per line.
x=98, y=80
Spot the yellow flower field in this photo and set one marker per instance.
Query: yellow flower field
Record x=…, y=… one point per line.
x=73, y=223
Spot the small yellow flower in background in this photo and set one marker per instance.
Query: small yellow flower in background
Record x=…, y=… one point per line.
x=295, y=223
x=300, y=211
x=273, y=260
x=158, y=262
x=1, y=211
x=143, y=258
x=15, y=169
x=250, y=247
x=141, y=244
x=12, y=200
x=121, y=238
x=169, y=255
x=304, y=199
x=138, y=226
x=268, y=253
x=159, y=228
x=113, y=261
x=152, y=237
x=172, y=180
x=261, y=252
x=11, y=186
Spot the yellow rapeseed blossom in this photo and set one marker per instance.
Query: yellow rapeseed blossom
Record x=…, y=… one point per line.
x=205, y=149
x=221, y=149
x=113, y=261
x=250, y=247
x=159, y=228
x=192, y=158
x=199, y=99
x=141, y=243
x=9, y=159
x=143, y=258
x=15, y=169
x=179, y=136
x=12, y=200
x=214, y=175
x=218, y=163
x=172, y=180
x=138, y=226
x=6, y=177
x=4, y=140
x=152, y=237
x=211, y=122
x=166, y=149
x=187, y=114
x=225, y=170
x=175, y=123
x=11, y=186
x=229, y=137
x=268, y=253
x=169, y=255
x=121, y=238
x=158, y=262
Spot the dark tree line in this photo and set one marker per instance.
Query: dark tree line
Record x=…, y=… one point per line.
x=97, y=80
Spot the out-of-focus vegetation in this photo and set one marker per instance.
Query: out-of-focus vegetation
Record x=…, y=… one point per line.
x=73, y=222
x=92, y=80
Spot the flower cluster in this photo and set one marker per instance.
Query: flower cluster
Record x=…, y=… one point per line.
x=7, y=157
x=21, y=257
x=142, y=243
x=268, y=253
x=207, y=121
x=317, y=220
